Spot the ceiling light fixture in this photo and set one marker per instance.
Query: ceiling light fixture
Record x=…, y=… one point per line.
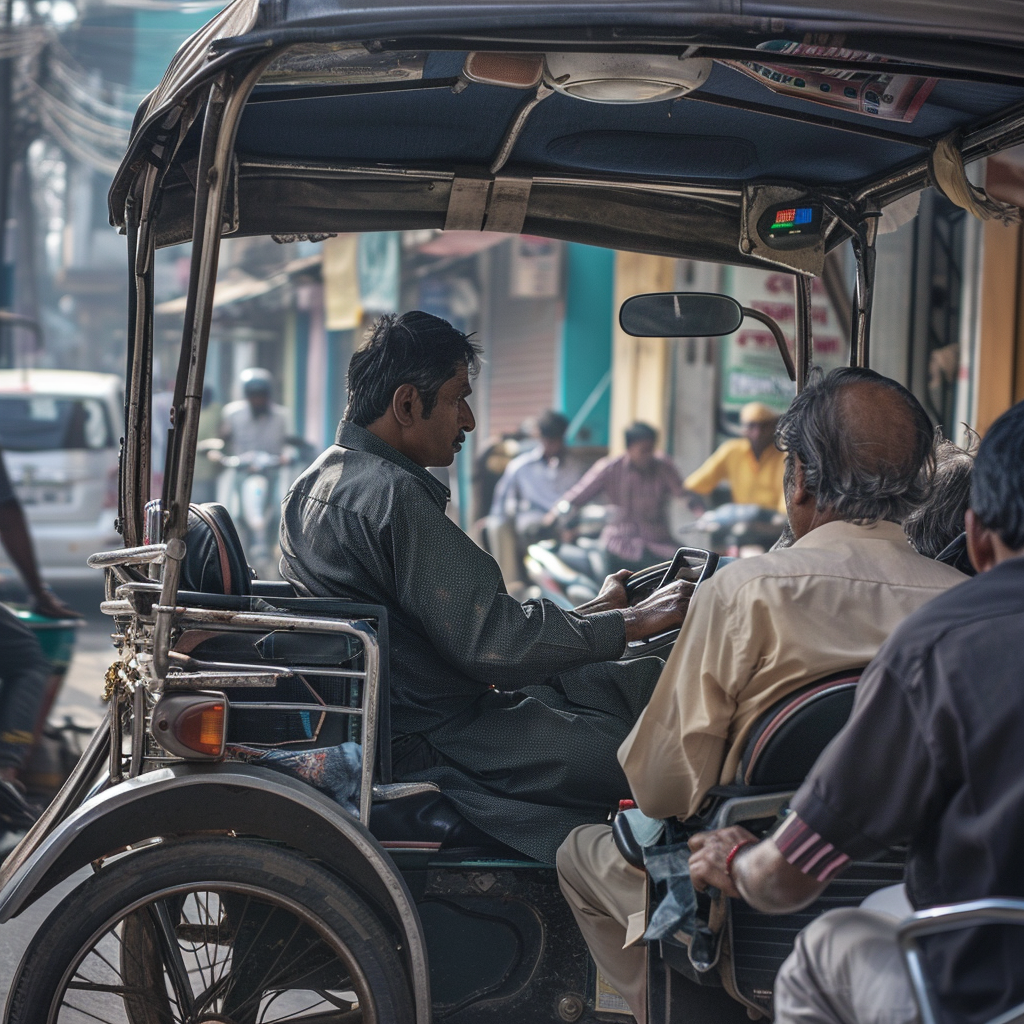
x=625, y=78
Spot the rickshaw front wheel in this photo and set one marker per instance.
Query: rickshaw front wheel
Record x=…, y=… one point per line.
x=212, y=930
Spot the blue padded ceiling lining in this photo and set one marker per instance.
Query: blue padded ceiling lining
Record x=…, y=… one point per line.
x=696, y=140
x=638, y=152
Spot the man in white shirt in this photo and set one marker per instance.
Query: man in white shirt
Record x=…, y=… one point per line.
x=531, y=484
x=255, y=423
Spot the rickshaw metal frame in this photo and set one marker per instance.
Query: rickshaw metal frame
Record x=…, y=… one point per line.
x=67, y=835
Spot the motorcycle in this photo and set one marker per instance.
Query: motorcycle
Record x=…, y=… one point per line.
x=740, y=530
x=569, y=571
x=56, y=747
x=251, y=486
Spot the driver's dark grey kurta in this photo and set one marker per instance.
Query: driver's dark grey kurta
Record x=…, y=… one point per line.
x=524, y=703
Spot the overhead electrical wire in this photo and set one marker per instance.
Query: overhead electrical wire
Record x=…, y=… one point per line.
x=66, y=101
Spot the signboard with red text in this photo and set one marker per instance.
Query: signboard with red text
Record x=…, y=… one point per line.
x=752, y=369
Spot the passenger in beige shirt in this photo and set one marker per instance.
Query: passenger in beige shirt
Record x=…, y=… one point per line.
x=859, y=459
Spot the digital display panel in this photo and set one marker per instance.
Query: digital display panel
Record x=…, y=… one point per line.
x=797, y=225
x=792, y=217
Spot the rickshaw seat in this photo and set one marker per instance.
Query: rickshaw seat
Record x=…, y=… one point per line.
x=788, y=738
x=214, y=560
x=782, y=747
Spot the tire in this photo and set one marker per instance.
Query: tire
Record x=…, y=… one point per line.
x=257, y=933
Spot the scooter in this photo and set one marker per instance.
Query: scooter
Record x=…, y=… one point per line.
x=251, y=486
x=569, y=572
x=740, y=530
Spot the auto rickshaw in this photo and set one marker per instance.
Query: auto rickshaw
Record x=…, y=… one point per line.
x=225, y=890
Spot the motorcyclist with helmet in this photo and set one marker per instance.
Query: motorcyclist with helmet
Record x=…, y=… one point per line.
x=255, y=423
x=255, y=435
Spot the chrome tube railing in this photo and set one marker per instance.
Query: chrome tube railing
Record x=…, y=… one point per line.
x=945, y=919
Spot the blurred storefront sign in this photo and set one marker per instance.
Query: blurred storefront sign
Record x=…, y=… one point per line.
x=751, y=367
x=536, y=268
x=379, y=269
x=341, y=283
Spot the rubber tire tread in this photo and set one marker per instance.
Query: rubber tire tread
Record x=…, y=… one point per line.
x=98, y=899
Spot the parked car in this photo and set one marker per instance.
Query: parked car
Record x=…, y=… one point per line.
x=59, y=431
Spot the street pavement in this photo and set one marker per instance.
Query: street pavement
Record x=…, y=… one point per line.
x=81, y=700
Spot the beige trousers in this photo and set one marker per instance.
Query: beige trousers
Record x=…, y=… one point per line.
x=604, y=892
x=846, y=968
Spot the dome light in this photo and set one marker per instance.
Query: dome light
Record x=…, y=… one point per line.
x=625, y=78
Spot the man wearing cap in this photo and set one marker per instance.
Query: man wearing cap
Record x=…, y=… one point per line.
x=751, y=465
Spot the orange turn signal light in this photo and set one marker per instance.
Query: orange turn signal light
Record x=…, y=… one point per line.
x=201, y=728
x=192, y=725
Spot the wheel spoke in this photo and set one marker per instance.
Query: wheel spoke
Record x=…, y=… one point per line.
x=173, y=961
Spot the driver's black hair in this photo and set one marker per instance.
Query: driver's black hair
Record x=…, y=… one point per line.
x=415, y=348
x=997, y=486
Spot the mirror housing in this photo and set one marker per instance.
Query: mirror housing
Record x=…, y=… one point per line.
x=680, y=315
x=694, y=315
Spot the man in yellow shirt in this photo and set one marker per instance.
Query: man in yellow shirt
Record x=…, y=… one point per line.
x=751, y=464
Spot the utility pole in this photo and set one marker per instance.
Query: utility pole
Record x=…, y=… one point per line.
x=6, y=160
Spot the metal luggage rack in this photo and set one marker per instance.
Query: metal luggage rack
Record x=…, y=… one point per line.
x=135, y=686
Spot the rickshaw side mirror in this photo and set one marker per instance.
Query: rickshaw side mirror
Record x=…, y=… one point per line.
x=680, y=315
x=694, y=315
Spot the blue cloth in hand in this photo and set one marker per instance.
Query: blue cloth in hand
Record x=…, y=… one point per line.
x=677, y=918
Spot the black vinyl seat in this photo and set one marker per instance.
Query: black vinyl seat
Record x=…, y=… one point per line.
x=214, y=561
x=429, y=821
x=789, y=737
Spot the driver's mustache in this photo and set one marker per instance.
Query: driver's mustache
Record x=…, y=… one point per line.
x=461, y=439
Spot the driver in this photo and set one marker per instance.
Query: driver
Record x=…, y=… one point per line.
x=859, y=458
x=516, y=710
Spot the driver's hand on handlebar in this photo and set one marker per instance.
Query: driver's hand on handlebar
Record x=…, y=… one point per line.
x=612, y=595
x=665, y=609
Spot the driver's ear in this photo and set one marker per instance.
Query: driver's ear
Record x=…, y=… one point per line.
x=403, y=403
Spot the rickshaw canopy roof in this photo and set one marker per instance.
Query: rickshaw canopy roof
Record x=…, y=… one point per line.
x=361, y=122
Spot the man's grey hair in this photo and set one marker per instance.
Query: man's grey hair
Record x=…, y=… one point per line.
x=850, y=468
x=933, y=526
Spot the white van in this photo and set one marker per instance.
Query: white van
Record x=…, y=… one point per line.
x=59, y=431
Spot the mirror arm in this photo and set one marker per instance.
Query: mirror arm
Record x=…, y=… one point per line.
x=780, y=338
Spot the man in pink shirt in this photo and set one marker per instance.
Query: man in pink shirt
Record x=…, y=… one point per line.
x=638, y=485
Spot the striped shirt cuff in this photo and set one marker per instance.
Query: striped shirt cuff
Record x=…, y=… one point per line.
x=805, y=849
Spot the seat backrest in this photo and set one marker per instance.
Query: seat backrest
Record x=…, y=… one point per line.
x=787, y=739
x=214, y=561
